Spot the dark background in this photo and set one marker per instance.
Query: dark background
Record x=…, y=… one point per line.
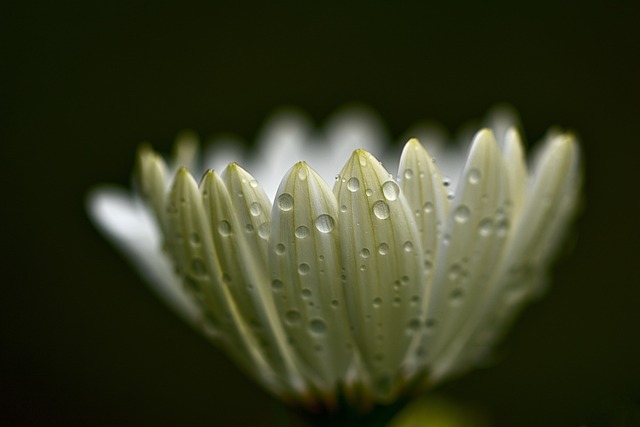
x=85, y=342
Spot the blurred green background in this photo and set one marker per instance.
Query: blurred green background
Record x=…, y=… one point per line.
x=83, y=340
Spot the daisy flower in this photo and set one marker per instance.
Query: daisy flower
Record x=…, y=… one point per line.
x=354, y=286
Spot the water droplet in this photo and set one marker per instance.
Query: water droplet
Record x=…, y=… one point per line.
x=317, y=326
x=427, y=266
x=485, y=228
x=285, y=202
x=306, y=293
x=343, y=208
x=303, y=268
x=456, y=295
x=415, y=299
x=224, y=228
x=280, y=248
x=408, y=246
x=383, y=249
x=408, y=173
x=264, y=230
x=195, y=239
x=454, y=272
x=248, y=228
x=397, y=301
x=363, y=267
x=381, y=209
x=353, y=184
x=276, y=284
x=321, y=257
x=197, y=267
x=502, y=228
x=405, y=279
x=428, y=207
x=414, y=325
x=255, y=209
x=462, y=213
x=335, y=303
x=302, y=173
x=474, y=176
x=390, y=190
x=368, y=192
x=377, y=302
x=364, y=253
x=302, y=232
x=325, y=223
x=446, y=181
x=363, y=161
x=431, y=324
x=292, y=316
x=253, y=183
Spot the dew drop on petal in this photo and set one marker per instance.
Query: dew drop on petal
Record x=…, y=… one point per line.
x=462, y=213
x=302, y=232
x=276, y=284
x=408, y=173
x=195, y=239
x=343, y=208
x=280, y=248
x=502, y=228
x=368, y=192
x=255, y=209
x=285, y=202
x=248, y=228
x=335, y=303
x=302, y=174
x=363, y=161
x=428, y=207
x=390, y=190
x=383, y=249
x=456, y=296
x=353, y=184
x=317, y=326
x=224, y=228
x=364, y=253
x=474, y=176
x=325, y=223
x=377, y=302
x=408, y=246
x=485, y=228
x=381, y=209
x=303, y=268
x=292, y=316
x=197, y=267
x=306, y=293
x=414, y=325
x=264, y=230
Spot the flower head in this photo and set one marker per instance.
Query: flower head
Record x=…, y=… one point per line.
x=368, y=291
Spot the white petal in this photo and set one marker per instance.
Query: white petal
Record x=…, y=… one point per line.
x=238, y=245
x=198, y=263
x=516, y=169
x=422, y=186
x=306, y=268
x=472, y=245
x=382, y=260
x=547, y=210
x=130, y=227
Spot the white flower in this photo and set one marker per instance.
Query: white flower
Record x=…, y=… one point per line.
x=372, y=290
